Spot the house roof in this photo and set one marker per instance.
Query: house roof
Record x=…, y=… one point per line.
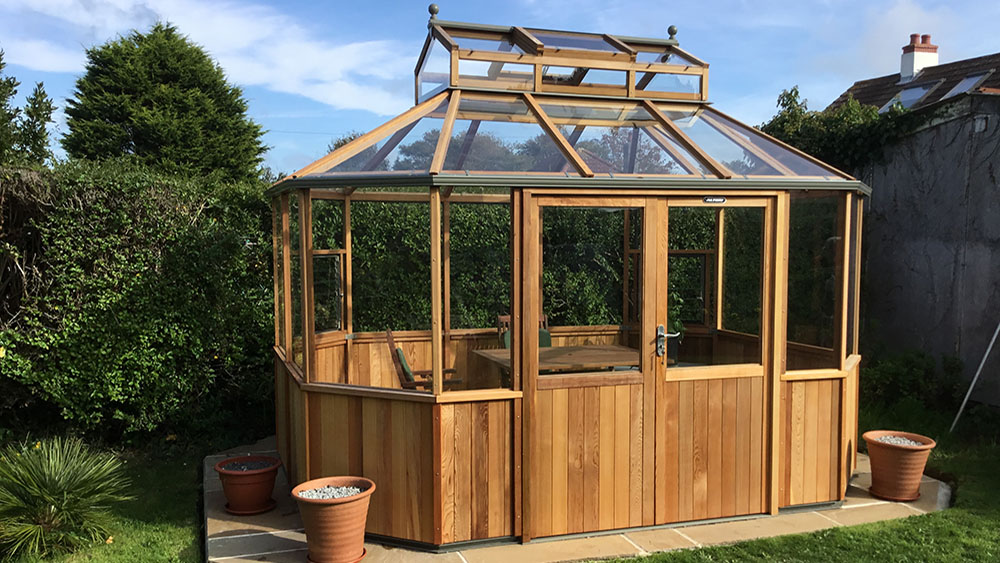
x=940, y=79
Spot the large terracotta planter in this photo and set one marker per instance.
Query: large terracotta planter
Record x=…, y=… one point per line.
x=897, y=470
x=248, y=492
x=335, y=528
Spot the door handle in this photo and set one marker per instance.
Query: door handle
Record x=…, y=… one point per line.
x=661, y=341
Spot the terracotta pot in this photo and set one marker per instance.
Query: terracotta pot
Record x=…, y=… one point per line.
x=335, y=528
x=248, y=492
x=897, y=470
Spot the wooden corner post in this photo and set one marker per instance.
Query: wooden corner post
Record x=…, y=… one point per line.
x=779, y=336
x=437, y=364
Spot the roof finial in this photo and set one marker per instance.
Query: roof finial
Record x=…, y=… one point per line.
x=433, y=9
x=672, y=30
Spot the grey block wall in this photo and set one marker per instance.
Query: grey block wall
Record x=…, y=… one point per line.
x=932, y=240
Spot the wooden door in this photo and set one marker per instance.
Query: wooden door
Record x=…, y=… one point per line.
x=711, y=408
x=589, y=452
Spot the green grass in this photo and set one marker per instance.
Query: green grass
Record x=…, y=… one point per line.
x=969, y=531
x=163, y=523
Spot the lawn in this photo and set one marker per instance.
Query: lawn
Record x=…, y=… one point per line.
x=162, y=524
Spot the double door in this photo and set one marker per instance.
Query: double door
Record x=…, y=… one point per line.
x=628, y=423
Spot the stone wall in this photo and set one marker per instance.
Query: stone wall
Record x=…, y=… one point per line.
x=932, y=241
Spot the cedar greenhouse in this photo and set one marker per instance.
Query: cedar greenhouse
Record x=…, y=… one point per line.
x=564, y=294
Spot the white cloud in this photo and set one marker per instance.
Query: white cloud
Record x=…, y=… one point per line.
x=257, y=45
x=43, y=55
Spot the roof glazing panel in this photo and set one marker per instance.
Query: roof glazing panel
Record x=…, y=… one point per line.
x=620, y=138
x=500, y=133
x=408, y=148
x=742, y=149
x=497, y=135
x=498, y=43
x=580, y=41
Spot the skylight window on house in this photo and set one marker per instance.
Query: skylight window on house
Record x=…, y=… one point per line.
x=907, y=97
x=965, y=84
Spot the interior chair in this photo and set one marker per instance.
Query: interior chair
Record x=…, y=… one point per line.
x=410, y=378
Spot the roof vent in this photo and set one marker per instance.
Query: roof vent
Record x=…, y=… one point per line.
x=917, y=55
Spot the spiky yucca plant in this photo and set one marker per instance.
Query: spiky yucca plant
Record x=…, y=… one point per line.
x=55, y=496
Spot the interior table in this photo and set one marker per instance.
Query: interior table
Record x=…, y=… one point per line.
x=572, y=358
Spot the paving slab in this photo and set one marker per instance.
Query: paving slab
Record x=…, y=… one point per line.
x=664, y=539
x=765, y=527
x=596, y=547
x=260, y=543
x=871, y=513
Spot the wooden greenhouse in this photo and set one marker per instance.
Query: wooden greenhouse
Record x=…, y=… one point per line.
x=564, y=294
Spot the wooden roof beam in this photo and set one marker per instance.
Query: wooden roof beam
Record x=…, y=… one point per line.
x=681, y=137
x=370, y=138
x=557, y=136
x=444, y=138
x=526, y=41
x=747, y=145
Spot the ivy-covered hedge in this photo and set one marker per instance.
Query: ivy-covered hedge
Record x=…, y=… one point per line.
x=133, y=299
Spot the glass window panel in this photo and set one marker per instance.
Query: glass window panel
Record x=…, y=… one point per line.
x=570, y=76
x=480, y=264
x=435, y=74
x=279, y=274
x=501, y=43
x=509, y=76
x=409, y=148
x=689, y=276
x=551, y=39
x=295, y=271
x=492, y=135
x=721, y=148
x=852, y=276
x=691, y=285
x=964, y=85
x=328, y=291
x=814, y=280
x=327, y=224
x=390, y=247
x=907, y=97
x=794, y=163
x=480, y=274
x=668, y=82
x=584, y=291
x=737, y=340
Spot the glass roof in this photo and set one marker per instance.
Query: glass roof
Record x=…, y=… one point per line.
x=496, y=133
x=522, y=103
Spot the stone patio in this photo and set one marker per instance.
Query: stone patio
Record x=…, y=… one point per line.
x=277, y=535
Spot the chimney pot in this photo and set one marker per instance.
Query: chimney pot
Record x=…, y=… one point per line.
x=917, y=55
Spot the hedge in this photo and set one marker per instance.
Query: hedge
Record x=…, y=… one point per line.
x=133, y=299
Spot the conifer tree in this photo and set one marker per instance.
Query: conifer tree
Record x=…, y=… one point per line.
x=161, y=98
x=33, y=128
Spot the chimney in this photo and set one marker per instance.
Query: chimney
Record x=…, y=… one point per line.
x=917, y=55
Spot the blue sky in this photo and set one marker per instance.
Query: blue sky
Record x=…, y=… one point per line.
x=313, y=71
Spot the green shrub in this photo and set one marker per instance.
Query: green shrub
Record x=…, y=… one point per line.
x=148, y=300
x=55, y=496
x=914, y=378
